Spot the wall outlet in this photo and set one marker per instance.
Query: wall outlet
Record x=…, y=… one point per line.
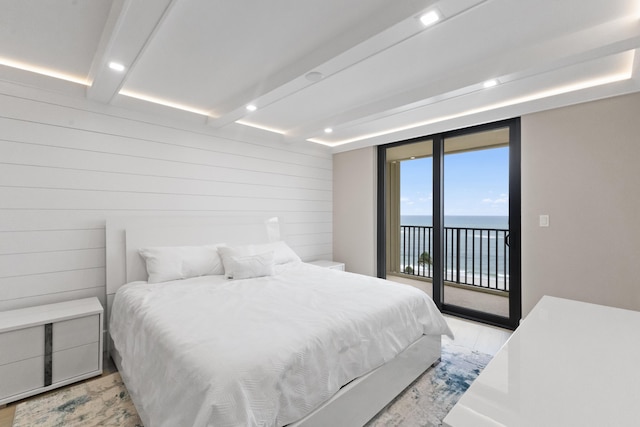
x=544, y=220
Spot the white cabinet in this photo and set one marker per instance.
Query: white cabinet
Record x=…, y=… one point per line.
x=49, y=346
x=569, y=363
x=329, y=264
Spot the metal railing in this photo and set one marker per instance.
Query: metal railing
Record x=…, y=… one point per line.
x=472, y=256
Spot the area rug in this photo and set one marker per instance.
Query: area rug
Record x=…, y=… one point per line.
x=106, y=402
x=100, y=402
x=429, y=399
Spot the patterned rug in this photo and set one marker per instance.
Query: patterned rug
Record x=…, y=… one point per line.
x=106, y=402
x=100, y=402
x=429, y=399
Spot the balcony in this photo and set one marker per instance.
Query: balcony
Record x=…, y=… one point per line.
x=476, y=265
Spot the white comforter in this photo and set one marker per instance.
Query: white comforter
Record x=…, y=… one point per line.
x=259, y=352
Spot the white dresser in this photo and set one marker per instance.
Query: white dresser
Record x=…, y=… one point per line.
x=568, y=364
x=49, y=346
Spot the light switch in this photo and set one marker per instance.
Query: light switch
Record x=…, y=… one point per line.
x=544, y=220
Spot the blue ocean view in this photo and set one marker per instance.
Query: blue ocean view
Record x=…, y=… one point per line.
x=474, y=247
x=482, y=221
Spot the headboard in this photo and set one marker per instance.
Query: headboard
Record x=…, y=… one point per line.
x=125, y=235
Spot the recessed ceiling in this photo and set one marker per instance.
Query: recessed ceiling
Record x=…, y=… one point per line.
x=377, y=73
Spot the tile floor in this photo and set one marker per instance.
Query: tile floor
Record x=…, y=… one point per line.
x=476, y=336
x=467, y=296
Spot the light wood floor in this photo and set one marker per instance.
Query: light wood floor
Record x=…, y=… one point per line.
x=471, y=335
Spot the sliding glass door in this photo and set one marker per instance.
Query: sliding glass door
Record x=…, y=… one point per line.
x=449, y=219
x=408, y=171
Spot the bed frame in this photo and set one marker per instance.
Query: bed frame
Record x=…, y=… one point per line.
x=356, y=403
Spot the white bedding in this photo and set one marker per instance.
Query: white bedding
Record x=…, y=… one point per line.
x=259, y=352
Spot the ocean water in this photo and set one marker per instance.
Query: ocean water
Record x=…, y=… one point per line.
x=501, y=222
x=475, y=250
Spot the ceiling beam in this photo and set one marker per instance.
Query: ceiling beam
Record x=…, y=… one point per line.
x=376, y=33
x=603, y=40
x=130, y=26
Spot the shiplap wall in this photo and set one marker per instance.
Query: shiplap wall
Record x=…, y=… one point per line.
x=67, y=164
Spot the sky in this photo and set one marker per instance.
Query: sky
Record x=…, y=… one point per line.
x=475, y=183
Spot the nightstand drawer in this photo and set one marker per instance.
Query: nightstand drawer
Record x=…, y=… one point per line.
x=20, y=377
x=21, y=344
x=76, y=361
x=76, y=332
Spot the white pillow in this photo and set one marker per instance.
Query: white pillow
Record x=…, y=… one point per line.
x=282, y=253
x=245, y=267
x=166, y=263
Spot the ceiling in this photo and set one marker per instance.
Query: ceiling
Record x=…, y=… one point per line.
x=377, y=73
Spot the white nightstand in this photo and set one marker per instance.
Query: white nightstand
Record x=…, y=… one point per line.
x=329, y=264
x=49, y=346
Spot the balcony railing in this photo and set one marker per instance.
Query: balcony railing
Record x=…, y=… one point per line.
x=473, y=256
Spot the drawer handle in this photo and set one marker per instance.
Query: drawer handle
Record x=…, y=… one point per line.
x=48, y=351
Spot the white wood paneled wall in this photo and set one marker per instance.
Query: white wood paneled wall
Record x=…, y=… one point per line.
x=66, y=165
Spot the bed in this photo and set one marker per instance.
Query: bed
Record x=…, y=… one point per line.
x=299, y=346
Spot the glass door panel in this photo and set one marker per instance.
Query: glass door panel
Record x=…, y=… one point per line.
x=476, y=221
x=409, y=171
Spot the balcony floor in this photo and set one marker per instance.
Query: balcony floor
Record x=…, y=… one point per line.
x=462, y=296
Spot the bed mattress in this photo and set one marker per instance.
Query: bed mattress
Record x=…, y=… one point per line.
x=263, y=351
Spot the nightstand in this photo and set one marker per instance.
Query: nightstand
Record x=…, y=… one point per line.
x=329, y=264
x=48, y=346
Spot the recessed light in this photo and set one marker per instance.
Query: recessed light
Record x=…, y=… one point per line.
x=116, y=66
x=251, y=107
x=328, y=130
x=490, y=83
x=429, y=18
